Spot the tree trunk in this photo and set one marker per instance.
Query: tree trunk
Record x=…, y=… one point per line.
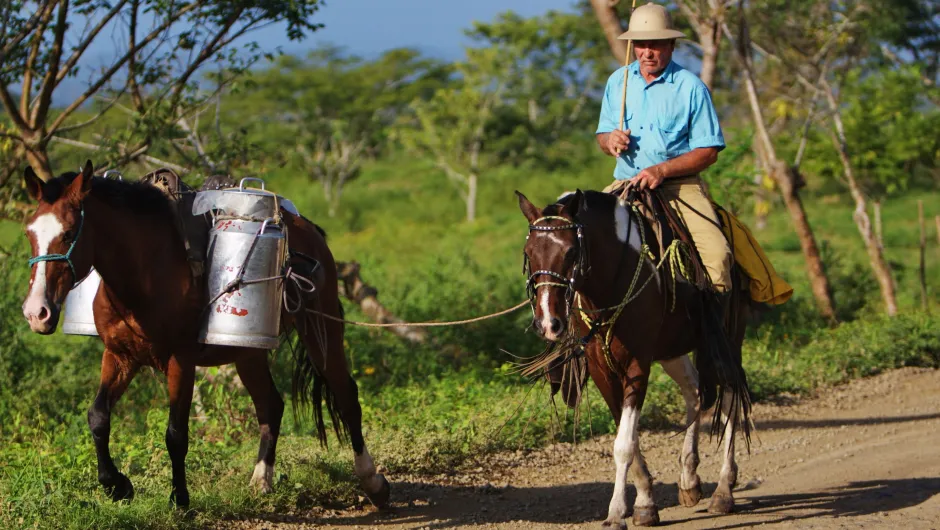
x=38, y=159
x=862, y=221
x=787, y=181
x=606, y=14
x=354, y=289
x=471, y=197
x=819, y=282
x=709, y=36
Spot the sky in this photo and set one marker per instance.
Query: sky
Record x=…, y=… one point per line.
x=368, y=27
x=365, y=28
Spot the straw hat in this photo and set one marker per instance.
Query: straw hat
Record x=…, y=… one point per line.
x=651, y=22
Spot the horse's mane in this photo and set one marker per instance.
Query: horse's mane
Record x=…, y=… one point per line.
x=136, y=196
x=592, y=200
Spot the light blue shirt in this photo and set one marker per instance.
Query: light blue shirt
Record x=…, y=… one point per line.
x=668, y=117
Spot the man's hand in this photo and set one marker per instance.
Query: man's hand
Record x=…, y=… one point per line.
x=617, y=141
x=649, y=178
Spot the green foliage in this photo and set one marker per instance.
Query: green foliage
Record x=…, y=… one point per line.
x=554, y=70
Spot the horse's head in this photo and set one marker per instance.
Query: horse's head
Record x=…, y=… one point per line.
x=555, y=261
x=54, y=230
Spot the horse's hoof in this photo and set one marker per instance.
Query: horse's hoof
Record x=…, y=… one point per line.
x=691, y=496
x=645, y=515
x=721, y=504
x=179, y=498
x=122, y=490
x=379, y=498
x=617, y=523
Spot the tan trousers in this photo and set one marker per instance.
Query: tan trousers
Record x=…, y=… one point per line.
x=710, y=242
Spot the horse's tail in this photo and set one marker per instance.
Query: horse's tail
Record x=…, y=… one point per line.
x=309, y=389
x=719, y=364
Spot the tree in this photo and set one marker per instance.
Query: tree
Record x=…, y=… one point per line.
x=331, y=109
x=154, y=70
x=820, y=45
x=703, y=17
x=785, y=176
x=553, y=69
x=451, y=128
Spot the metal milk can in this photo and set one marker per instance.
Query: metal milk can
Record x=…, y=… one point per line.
x=78, y=318
x=246, y=257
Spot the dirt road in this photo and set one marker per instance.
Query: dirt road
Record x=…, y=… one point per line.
x=863, y=455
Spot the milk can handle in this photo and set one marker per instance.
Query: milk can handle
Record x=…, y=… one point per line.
x=241, y=184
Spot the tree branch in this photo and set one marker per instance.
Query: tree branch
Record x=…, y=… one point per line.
x=83, y=45
x=606, y=14
x=41, y=110
x=107, y=75
x=29, y=67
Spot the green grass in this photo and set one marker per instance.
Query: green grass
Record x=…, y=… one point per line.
x=425, y=411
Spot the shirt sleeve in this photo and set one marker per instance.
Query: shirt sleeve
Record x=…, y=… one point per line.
x=608, y=120
x=704, y=129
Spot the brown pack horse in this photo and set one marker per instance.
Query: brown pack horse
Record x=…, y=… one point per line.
x=148, y=310
x=569, y=290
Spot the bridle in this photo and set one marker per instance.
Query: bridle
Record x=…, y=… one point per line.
x=581, y=265
x=67, y=257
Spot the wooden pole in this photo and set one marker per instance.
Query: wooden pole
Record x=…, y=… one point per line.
x=878, y=233
x=937, y=219
x=626, y=74
x=923, y=254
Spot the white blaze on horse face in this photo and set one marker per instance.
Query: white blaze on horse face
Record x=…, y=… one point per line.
x=546, y=313
x=622, y=222
x=624, y=447
x=45, y=229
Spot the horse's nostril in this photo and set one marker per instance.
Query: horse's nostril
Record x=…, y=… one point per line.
x=556, y=325
x=44, y=314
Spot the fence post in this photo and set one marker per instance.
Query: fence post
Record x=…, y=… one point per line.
x=923, y=254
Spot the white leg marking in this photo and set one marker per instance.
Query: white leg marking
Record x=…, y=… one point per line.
x=683, y=372
x=622, y=222
x=624, y=448
x=365, y=470
x=729, y=469
x=263, y=477
x=45, y=229
x=642, y=480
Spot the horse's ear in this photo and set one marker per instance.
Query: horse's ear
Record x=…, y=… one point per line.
x=82, y=183
x=528, y=209
x=579, y=204
x=575, y=203
x=34, y=184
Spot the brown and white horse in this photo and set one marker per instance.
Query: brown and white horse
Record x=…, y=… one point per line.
x=585, y=258
x=148, y=312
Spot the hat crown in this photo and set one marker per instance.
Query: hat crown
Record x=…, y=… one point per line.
x=650, y=17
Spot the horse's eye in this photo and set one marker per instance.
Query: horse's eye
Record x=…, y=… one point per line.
x=570, y=255
x=67, y=236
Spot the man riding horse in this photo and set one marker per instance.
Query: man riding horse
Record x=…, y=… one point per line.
x=672, y=135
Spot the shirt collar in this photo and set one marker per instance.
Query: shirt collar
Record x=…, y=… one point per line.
x=668, y=75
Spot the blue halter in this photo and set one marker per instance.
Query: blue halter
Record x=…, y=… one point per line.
x=67, y=257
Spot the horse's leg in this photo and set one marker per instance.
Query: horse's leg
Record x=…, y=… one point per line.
x=180, y=380
x=645, y=512
x=346, y=393
x=722, y=500
x=255, y=374
x=115, y=376
x=625, y=447
x=682, y=371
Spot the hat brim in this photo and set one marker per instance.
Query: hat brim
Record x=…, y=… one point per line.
x=664, y=34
